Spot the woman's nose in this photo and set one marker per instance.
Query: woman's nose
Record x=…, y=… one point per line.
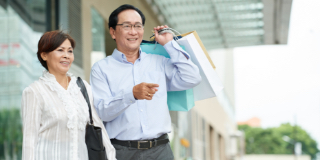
x=66, y=55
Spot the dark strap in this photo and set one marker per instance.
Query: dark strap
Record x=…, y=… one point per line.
x=143, y=144
x=85, y=95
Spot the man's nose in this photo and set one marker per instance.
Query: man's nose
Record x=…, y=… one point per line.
x=133, y=30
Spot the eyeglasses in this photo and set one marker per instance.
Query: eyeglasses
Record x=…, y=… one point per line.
x=128, y=26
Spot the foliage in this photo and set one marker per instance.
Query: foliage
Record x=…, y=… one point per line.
x=11, y=134
x=272, y=140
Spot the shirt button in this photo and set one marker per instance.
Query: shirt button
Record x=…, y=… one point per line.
x=130, y=101
x=141, y=110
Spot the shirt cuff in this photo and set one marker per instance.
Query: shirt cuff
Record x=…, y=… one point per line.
x=172, y=46
x=129, y=98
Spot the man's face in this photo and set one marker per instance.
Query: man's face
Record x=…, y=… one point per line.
x=128, y=40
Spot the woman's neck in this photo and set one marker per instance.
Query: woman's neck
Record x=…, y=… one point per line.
x=62, y=79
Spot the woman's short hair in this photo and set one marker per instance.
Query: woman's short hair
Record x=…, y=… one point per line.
x=50, y=41
x=113, y=18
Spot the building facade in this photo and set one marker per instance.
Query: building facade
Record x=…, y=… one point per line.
x=206, y=132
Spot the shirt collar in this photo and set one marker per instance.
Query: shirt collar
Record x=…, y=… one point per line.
x=119, y=56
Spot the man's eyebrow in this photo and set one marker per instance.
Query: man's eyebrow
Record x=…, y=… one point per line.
x=130, y=22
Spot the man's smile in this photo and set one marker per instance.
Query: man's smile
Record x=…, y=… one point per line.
x=132, y=39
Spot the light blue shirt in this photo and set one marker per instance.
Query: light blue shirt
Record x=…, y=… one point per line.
x=113, y=78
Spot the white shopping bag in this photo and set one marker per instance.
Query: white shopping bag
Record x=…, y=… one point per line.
x=210, y=84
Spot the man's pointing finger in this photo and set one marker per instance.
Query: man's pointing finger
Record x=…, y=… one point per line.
x=151, y=85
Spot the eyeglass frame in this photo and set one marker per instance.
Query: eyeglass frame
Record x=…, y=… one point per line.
x=132, y=25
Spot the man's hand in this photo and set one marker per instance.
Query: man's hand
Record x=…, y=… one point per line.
x=145, y=90
x=163, y=38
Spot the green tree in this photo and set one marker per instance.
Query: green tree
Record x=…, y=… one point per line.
x=271, y=140
x=11, y=134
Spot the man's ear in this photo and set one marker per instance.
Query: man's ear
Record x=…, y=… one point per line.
x=112, y=33
x=44, y=56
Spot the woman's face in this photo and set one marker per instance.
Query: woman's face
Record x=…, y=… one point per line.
x=60, y=59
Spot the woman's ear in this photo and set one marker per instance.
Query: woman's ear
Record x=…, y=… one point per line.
x=44, y=56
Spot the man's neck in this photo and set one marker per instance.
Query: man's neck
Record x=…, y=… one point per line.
x=131, y=56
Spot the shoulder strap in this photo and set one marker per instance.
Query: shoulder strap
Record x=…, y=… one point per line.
x=85, y=95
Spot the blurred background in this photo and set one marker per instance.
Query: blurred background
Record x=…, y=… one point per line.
x=266, y=53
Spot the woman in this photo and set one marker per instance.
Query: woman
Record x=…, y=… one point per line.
x=54, y=112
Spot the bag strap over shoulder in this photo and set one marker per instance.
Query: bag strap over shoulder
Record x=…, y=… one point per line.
x=85, y=95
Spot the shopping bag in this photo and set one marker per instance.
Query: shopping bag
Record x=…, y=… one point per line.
x=176, y=100
x=210, y=84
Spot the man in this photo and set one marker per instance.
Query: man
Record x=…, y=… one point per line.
x=130, y=87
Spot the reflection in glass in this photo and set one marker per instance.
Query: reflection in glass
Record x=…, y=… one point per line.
x=22, y=23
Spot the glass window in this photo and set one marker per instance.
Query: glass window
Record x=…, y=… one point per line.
x=22, y=23
x=98, y=36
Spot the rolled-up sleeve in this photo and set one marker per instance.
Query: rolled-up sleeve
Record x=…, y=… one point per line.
x=181, y=72
x=108, y=106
